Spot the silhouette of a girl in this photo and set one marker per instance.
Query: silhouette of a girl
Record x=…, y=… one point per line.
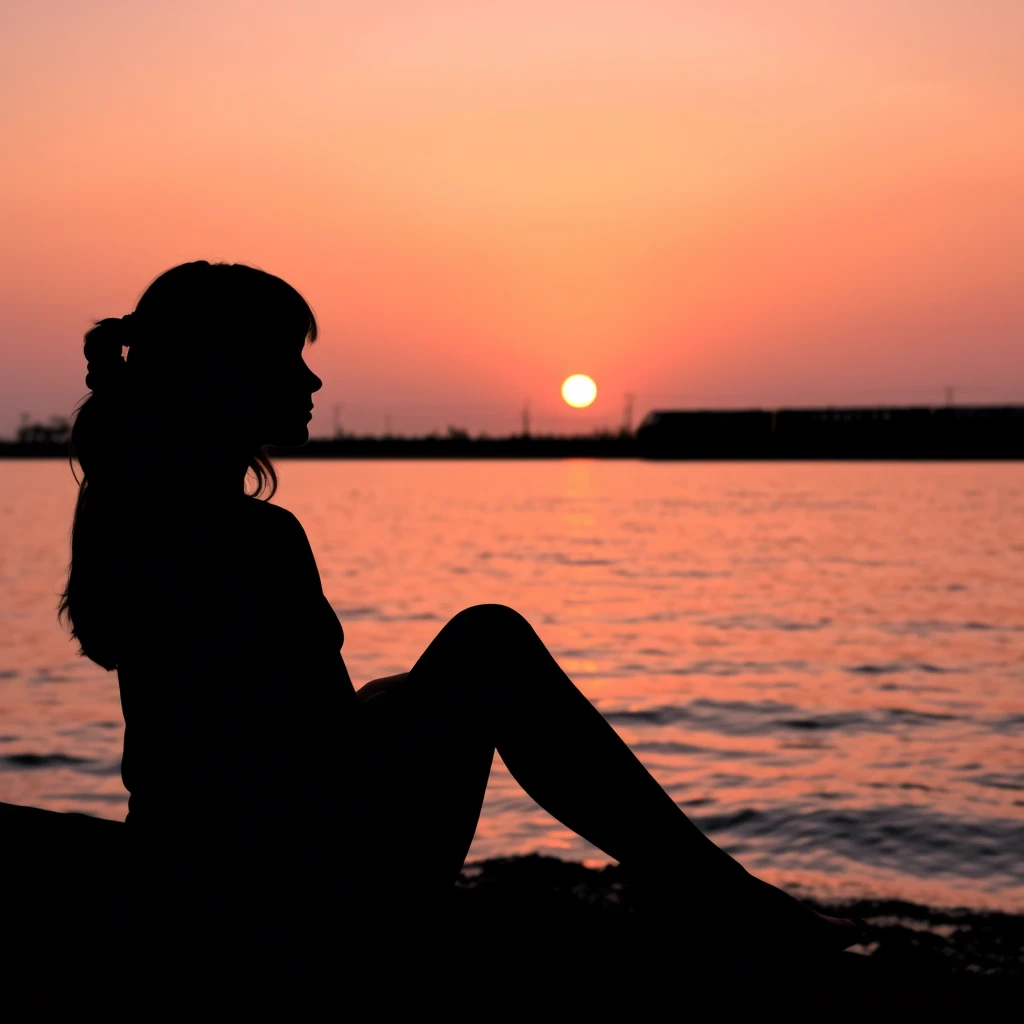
x=261, y=781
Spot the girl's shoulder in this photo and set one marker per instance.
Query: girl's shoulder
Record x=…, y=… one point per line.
x=262, y=515
x=274, y=530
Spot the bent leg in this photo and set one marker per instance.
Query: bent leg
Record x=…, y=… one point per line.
x=487, y=681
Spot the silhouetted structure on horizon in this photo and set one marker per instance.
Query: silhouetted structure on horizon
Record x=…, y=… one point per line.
x=907, y=432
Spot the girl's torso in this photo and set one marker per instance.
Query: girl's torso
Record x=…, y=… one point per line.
x=235, y=696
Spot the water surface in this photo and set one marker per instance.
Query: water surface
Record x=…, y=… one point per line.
x=823, y=663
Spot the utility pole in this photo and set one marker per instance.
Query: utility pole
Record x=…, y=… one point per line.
x=387, y=425
x=950, y=394
x=526, y=419
x=627, y=412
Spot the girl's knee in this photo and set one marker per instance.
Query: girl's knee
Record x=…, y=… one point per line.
x=494, y=619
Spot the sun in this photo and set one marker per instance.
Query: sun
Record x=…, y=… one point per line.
x=579, y=390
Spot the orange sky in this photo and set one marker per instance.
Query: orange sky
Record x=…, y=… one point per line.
x=718, y=203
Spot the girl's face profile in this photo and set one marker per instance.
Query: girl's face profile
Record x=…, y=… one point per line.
x=277, y=398
x=284, y=391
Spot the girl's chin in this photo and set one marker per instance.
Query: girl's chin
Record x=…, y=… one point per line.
x=292, y=437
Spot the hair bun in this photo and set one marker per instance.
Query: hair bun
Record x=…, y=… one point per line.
x=103, y=345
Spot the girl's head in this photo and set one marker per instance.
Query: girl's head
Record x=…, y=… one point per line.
x=214, y=359
x=214, y=372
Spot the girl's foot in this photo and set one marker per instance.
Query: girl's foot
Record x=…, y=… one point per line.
x=799, y=927
x=739, y=911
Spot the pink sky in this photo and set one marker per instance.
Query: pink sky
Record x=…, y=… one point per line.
x=717, y=203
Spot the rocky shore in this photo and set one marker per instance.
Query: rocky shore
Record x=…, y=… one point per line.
x=949, y=943
x=525, y=936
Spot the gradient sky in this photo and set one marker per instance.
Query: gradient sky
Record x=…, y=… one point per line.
x=710, y=203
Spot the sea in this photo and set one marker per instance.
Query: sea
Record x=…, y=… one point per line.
x=823, y=663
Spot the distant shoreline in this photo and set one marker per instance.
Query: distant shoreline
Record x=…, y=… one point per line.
x=909, y=433
x=365, y=449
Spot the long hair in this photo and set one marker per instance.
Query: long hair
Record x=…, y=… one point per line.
x=192, y=325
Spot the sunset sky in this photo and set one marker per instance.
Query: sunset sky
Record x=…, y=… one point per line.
x=703, y=203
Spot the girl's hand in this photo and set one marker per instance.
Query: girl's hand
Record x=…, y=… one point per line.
x=386, y=685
